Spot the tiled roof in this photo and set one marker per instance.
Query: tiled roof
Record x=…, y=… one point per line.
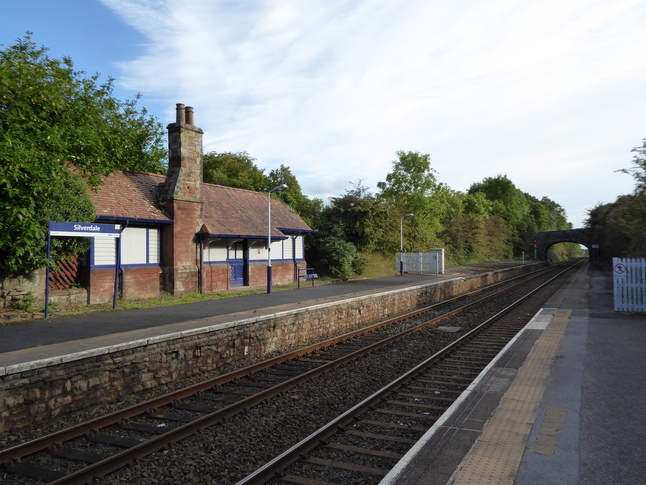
x=227, y=211
x=129, y=194
x=238, y=212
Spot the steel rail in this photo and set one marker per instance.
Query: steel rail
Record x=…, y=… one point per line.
x=40, y=444
x=294, y=454
x=119, y=460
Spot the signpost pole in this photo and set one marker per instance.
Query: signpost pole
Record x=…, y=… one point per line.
x=117, y=266
x=49, y=245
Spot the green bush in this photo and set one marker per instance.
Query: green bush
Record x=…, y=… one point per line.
x=25, y=304
x=339, y=257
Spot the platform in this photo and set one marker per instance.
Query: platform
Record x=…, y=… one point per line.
x=62, y=335
x=565, y=402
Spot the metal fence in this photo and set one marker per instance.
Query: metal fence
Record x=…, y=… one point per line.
x=629, y=284
x=421, y=263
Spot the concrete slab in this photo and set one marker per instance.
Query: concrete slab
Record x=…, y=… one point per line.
x=583, y=422
x=193, y=315
x=441, y=451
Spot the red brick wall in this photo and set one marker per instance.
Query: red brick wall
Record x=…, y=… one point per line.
x=141, y=282
x=182, y=199
x=283, y=272
x=180, y=252
x=101, y=286
x=215, y=277
x=138, y=283
x=179, y=244
x=147, y=282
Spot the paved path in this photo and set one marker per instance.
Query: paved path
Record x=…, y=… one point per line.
x=564, y=404
x=88, y=325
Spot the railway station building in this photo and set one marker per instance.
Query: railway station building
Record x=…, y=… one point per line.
x=180, y=235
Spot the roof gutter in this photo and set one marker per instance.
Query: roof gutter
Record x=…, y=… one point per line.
x=133, y=219
x=295, y=231
x=239, y=236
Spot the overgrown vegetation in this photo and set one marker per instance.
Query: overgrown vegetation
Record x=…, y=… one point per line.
x=240, y=170
x=620, y=226
x=26, y=304
x=60, y=130
x=494, y=220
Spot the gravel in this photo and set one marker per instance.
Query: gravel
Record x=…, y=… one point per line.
x=232, y=449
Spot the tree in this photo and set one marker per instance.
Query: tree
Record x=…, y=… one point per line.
x=359, y=215
x=308, y=209
x=60, y=130
x=620, y=227
x=509, y=203
x=234, y=170
x=556, y=216
x=293, y=194
x=411, y=174
x=343, y=229
x=639, y=172
x=412, y=187
x=340, y=258
x=478, y=204
x=471, y=232
x=472, y=238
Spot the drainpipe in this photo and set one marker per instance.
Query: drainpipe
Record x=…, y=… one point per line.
x=200, y=273
x=294, y=263
x=121, y=273
x=122, y=280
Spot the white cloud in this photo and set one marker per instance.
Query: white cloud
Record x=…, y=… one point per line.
x=535, y=91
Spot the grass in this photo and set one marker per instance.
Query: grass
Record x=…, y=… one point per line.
x=168, y=300
x=156, y=302
x=378, y=265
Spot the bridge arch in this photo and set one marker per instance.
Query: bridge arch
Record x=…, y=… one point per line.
x=544, y=240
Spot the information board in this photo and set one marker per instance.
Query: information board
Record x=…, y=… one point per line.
x=82, y=229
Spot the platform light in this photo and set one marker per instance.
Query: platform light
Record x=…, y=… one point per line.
x=269, y=270
x=401, y=242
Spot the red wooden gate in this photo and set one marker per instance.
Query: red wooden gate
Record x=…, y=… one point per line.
x=67, y=276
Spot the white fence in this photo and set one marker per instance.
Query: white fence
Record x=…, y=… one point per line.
x=421, y=263
x=630, y=284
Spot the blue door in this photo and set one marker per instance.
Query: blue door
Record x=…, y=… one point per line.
x=237, y=272
x=237, y=263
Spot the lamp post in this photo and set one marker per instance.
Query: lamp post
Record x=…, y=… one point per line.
x=401, y=242
x=269, y=272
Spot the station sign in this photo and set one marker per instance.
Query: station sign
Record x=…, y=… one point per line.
x=83, y=229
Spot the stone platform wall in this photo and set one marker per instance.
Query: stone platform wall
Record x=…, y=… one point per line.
x=42, y=390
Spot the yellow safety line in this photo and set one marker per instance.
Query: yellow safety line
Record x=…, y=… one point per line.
x=495, y=457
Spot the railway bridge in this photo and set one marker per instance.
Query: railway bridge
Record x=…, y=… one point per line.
x=544, y=240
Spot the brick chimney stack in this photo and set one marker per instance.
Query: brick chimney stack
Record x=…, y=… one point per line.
x=181, y=198
x=184, y=180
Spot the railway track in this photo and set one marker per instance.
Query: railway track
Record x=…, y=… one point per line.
x=101, y=446
x=363, y=444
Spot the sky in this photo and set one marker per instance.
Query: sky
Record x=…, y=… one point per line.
x=549, y=93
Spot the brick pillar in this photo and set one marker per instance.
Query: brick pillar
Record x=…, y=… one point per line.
x=181, y=198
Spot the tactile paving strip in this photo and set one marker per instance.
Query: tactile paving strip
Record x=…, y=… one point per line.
x=495, y=457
